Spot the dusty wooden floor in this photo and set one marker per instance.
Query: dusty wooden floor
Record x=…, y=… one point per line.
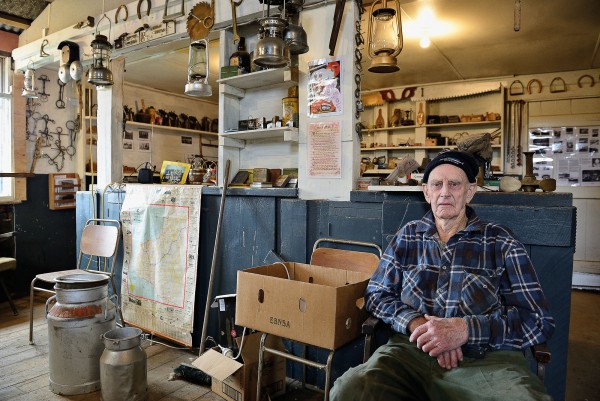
x=24, y=368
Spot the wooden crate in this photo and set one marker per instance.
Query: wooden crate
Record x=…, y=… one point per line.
x=62, y=189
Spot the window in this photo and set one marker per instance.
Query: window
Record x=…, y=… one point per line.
x=6, y=143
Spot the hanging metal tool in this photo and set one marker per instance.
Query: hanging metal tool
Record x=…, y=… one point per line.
x=214, y=259
x=88, y=22
x=43, y=48
x=234, y=5
x=200, y=20
x=43, y=95
x=337, y=22
x=118, y=12
x=139, y=8
x=174, y=16
x=60, y=103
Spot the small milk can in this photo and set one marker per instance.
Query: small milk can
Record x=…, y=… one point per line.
x=76, y=321
x=123, y=373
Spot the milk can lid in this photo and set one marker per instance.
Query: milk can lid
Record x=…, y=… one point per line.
x=81, y=280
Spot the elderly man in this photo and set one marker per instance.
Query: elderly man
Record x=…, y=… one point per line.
x=462, y=299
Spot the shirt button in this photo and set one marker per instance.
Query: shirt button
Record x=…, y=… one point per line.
x=444, y=267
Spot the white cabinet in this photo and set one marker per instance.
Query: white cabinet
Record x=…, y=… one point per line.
x=477, y=114
x=250, y=96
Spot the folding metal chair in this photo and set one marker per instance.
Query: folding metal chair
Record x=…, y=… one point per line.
x=97, y=254
x=329, y=257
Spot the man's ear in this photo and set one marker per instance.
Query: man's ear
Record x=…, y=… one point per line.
x=426, y=193
x=471, y=191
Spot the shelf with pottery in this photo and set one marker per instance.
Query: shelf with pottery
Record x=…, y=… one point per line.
x=409, y=148
x=384, y=134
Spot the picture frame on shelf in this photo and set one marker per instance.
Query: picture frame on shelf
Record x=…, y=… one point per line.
x=174, y=172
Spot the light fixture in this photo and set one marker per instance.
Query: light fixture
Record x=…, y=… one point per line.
x=99, y=74
x=28, y=83
x=197, y=84
x=271, y=50
x=425, y=42
x=385, y=36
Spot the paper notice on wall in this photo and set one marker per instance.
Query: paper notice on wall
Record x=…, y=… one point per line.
x=161, y=230
x=324, y=142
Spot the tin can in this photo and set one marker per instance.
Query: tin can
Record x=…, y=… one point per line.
x=290, y=110
x=81, y=314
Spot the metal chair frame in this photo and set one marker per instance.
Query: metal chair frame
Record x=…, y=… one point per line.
x=100, y=241
x=356, y=261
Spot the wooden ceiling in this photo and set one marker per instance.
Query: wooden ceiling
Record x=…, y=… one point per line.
x=478, y=41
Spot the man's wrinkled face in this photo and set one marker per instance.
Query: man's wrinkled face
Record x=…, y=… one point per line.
x=448, y=191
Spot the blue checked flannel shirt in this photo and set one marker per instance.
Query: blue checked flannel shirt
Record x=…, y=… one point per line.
x=483, y=275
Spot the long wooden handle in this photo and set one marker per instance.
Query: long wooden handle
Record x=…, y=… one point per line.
x=337, y=22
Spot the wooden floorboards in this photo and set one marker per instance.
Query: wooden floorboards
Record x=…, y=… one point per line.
x=24, y=370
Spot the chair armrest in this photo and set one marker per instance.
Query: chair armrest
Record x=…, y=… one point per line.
x=541, y=353
x=369, y=325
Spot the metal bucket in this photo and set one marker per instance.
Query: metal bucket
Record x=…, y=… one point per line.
x=123, y=373
x=81, y=314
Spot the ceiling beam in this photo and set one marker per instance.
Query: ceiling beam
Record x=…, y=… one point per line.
x=13, y=20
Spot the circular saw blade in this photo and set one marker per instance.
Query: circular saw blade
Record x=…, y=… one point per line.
x=199, y=21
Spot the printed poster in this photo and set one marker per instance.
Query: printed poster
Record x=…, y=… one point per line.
x=324, y=88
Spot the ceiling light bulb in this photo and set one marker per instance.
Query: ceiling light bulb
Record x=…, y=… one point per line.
x=425, y=42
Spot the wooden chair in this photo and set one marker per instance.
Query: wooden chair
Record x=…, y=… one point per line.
x=7, y=264
x=97, y=254
x=329, y=257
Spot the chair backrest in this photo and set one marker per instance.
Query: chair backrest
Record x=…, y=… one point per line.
x=100, y=239
x=345, y=259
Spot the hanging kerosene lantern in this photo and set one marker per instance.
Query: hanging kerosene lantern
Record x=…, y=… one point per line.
x=271, y=50
x=29, y=82
x=385, y=36
x=197, y=84
x=99, y=74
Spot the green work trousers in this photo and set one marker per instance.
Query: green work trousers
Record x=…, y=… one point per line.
x=399, y=370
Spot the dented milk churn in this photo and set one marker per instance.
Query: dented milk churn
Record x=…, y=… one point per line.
x=123, y=369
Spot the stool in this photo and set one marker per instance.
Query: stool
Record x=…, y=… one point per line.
x=8, y=264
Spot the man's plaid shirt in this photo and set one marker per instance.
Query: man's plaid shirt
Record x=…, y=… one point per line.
x=483, y=275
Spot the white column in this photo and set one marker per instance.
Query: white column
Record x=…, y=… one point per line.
x=110, y=127
x=320, y=20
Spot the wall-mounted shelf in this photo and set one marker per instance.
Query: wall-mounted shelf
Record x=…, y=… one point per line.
x=287, y=133
x=263, y=78
x=409, y=148
x=62, y=189
x=172, y=129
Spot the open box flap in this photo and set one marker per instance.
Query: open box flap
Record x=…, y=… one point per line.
x=217, y=365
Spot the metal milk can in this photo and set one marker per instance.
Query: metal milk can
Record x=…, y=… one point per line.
x=123, y=372
x=76, y=321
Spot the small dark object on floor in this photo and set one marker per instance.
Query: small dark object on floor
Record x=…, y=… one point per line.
x=190, y=374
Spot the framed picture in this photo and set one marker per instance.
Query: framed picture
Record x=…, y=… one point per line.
x=174, y=172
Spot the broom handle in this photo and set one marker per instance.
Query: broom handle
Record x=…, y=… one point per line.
x=214, y=260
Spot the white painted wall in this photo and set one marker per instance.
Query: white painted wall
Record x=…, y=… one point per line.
x=576, y=107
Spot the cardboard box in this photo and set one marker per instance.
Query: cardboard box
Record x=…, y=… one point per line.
x=316, y=305
x=236, y=381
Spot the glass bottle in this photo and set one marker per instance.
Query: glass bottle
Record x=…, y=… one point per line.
x=241, y=58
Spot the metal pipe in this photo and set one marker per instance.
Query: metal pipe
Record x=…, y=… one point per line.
x=214, y=260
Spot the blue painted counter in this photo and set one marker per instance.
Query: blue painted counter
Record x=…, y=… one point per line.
x=257, y=221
